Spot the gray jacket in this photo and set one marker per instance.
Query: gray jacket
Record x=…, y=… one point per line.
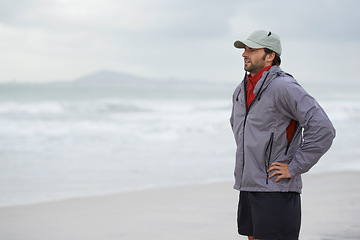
x=260, y=132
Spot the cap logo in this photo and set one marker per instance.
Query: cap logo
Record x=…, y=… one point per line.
x=269, y=34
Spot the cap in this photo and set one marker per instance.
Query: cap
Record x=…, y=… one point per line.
x=261, y=39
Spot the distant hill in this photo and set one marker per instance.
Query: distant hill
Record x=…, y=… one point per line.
x=112, y=78
x=108, y=78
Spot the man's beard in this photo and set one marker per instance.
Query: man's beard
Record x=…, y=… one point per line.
x=255, y=67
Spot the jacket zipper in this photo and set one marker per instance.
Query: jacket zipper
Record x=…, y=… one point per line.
x=267, y=162
x=257, y=97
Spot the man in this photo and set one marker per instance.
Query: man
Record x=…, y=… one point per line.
x=281, y=132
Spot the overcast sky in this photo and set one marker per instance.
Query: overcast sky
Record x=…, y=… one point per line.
x=47, y=40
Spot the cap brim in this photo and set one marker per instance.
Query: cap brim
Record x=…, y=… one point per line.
x=248, y=43
x=239, y=44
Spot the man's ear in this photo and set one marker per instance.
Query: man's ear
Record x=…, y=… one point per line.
x=270, y=57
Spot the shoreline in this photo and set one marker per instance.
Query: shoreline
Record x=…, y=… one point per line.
x=330, y=204
x=149, y=188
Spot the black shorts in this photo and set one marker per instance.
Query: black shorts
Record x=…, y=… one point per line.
x=269, y=215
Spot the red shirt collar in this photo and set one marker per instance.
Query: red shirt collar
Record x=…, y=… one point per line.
x=254, y=79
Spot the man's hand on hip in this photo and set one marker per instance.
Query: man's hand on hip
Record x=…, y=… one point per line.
x=280, y=169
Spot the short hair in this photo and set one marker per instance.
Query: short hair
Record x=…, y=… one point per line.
x=277, y=60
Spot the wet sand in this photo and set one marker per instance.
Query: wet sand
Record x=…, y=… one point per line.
x=331, y=210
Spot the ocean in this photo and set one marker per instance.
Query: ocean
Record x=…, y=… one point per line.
x=60, y=141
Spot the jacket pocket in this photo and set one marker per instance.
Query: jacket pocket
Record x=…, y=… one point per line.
x=268, y=150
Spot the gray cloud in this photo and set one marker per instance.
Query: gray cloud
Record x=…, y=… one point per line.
x=324, y=19
x=160, y=38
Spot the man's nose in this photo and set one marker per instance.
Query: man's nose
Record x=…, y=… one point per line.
x=245, y=54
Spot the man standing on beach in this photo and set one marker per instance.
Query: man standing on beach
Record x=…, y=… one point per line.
x=280, y=132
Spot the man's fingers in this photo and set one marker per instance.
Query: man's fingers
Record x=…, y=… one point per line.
x=276, y=166
x=273, y=174
x=282, y=176
x=280, y=170
x=279, y=174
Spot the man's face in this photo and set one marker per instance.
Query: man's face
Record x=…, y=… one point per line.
x=254, y=60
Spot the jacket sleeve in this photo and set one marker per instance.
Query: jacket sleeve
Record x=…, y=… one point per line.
x=318, y=131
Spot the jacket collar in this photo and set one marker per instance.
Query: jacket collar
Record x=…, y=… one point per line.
x=267, y=78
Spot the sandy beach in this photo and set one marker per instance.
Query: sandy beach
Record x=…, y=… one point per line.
x=331, y=210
